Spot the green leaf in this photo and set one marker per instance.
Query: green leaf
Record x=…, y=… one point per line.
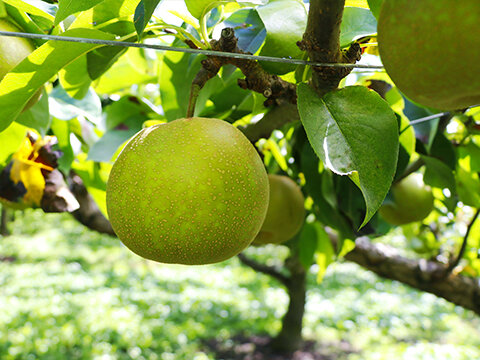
x=472, y=151
x=228, y=85
x=375, y=6
x=307, y=244
x=11, y=138
x=440, y=175
x=65, y=107
x=356, y=23
x=468, y=187
x=196, y=7
x=105, y=12
x=75, y=79
x=424, y=131
x=442, y=149
x=3, y=10
x=324, y=211
x=19, y=85
x=355, y=133
x=176, y=75
x=70, y=7
x=94, y=176
x=61, y=129
x=34, y=7
x=129, y=70
x=125, y=111
x=101, y=59
x=143, y=13
x=38, y=116
x=124, y=119
x=104, y=149
x=285, y=22
x=325, y=252
x=250, y=37
x=25, y=22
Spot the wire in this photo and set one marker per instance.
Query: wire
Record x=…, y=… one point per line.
x=428, y=118
x=207, y=52
x=185, y=50
x=436, y=116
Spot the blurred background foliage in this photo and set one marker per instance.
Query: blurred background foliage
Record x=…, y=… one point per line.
x=70, y=293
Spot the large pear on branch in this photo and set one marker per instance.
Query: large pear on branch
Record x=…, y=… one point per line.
x=286, y=212
x=430, y=49
x=12, y=51
x=192, y=191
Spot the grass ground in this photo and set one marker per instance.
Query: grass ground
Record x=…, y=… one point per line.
x=69, y=293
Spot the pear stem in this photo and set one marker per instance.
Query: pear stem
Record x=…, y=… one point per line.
x=192, y=101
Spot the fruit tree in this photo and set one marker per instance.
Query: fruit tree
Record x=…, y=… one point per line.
x=193, y=129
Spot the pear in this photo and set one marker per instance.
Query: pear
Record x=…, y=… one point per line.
x=412, y=201
x=430, y=50
x=12, y=51
x=192, y=191
x=285, y=214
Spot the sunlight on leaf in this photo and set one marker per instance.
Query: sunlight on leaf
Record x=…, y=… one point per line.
x=354, y=132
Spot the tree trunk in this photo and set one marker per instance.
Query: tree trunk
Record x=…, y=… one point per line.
x=3, y=222
x=290, y=337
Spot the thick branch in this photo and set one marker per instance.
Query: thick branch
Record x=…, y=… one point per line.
x=420, y=274
x=264, y=269
x=321, y=40
x=88, y=213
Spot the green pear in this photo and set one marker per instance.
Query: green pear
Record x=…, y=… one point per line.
x=412, y=201
x=430, y=50
x=12, y=51
x=192, y=191
x=285, y=214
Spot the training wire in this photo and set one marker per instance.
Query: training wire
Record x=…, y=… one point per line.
x=184, y=50
x=204, y=52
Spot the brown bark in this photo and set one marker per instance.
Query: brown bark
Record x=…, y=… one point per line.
x=3, y=222
x=88, y=214
x=275, y=89
x=321, y=40
x=421, y=274
x=290, y=336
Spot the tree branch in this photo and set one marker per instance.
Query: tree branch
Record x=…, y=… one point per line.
x=321, y=40
x=88, y=213
x=264, y=269
x=420, y=274
x=381, y=259
x=275, y=89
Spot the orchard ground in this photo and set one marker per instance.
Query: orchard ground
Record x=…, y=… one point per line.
x=69, y=293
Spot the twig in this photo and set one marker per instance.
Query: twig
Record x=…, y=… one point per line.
x=264, y=269
x=276, y=90
x=454, y=263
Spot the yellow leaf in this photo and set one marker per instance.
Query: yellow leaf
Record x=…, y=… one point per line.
x=26, y=170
